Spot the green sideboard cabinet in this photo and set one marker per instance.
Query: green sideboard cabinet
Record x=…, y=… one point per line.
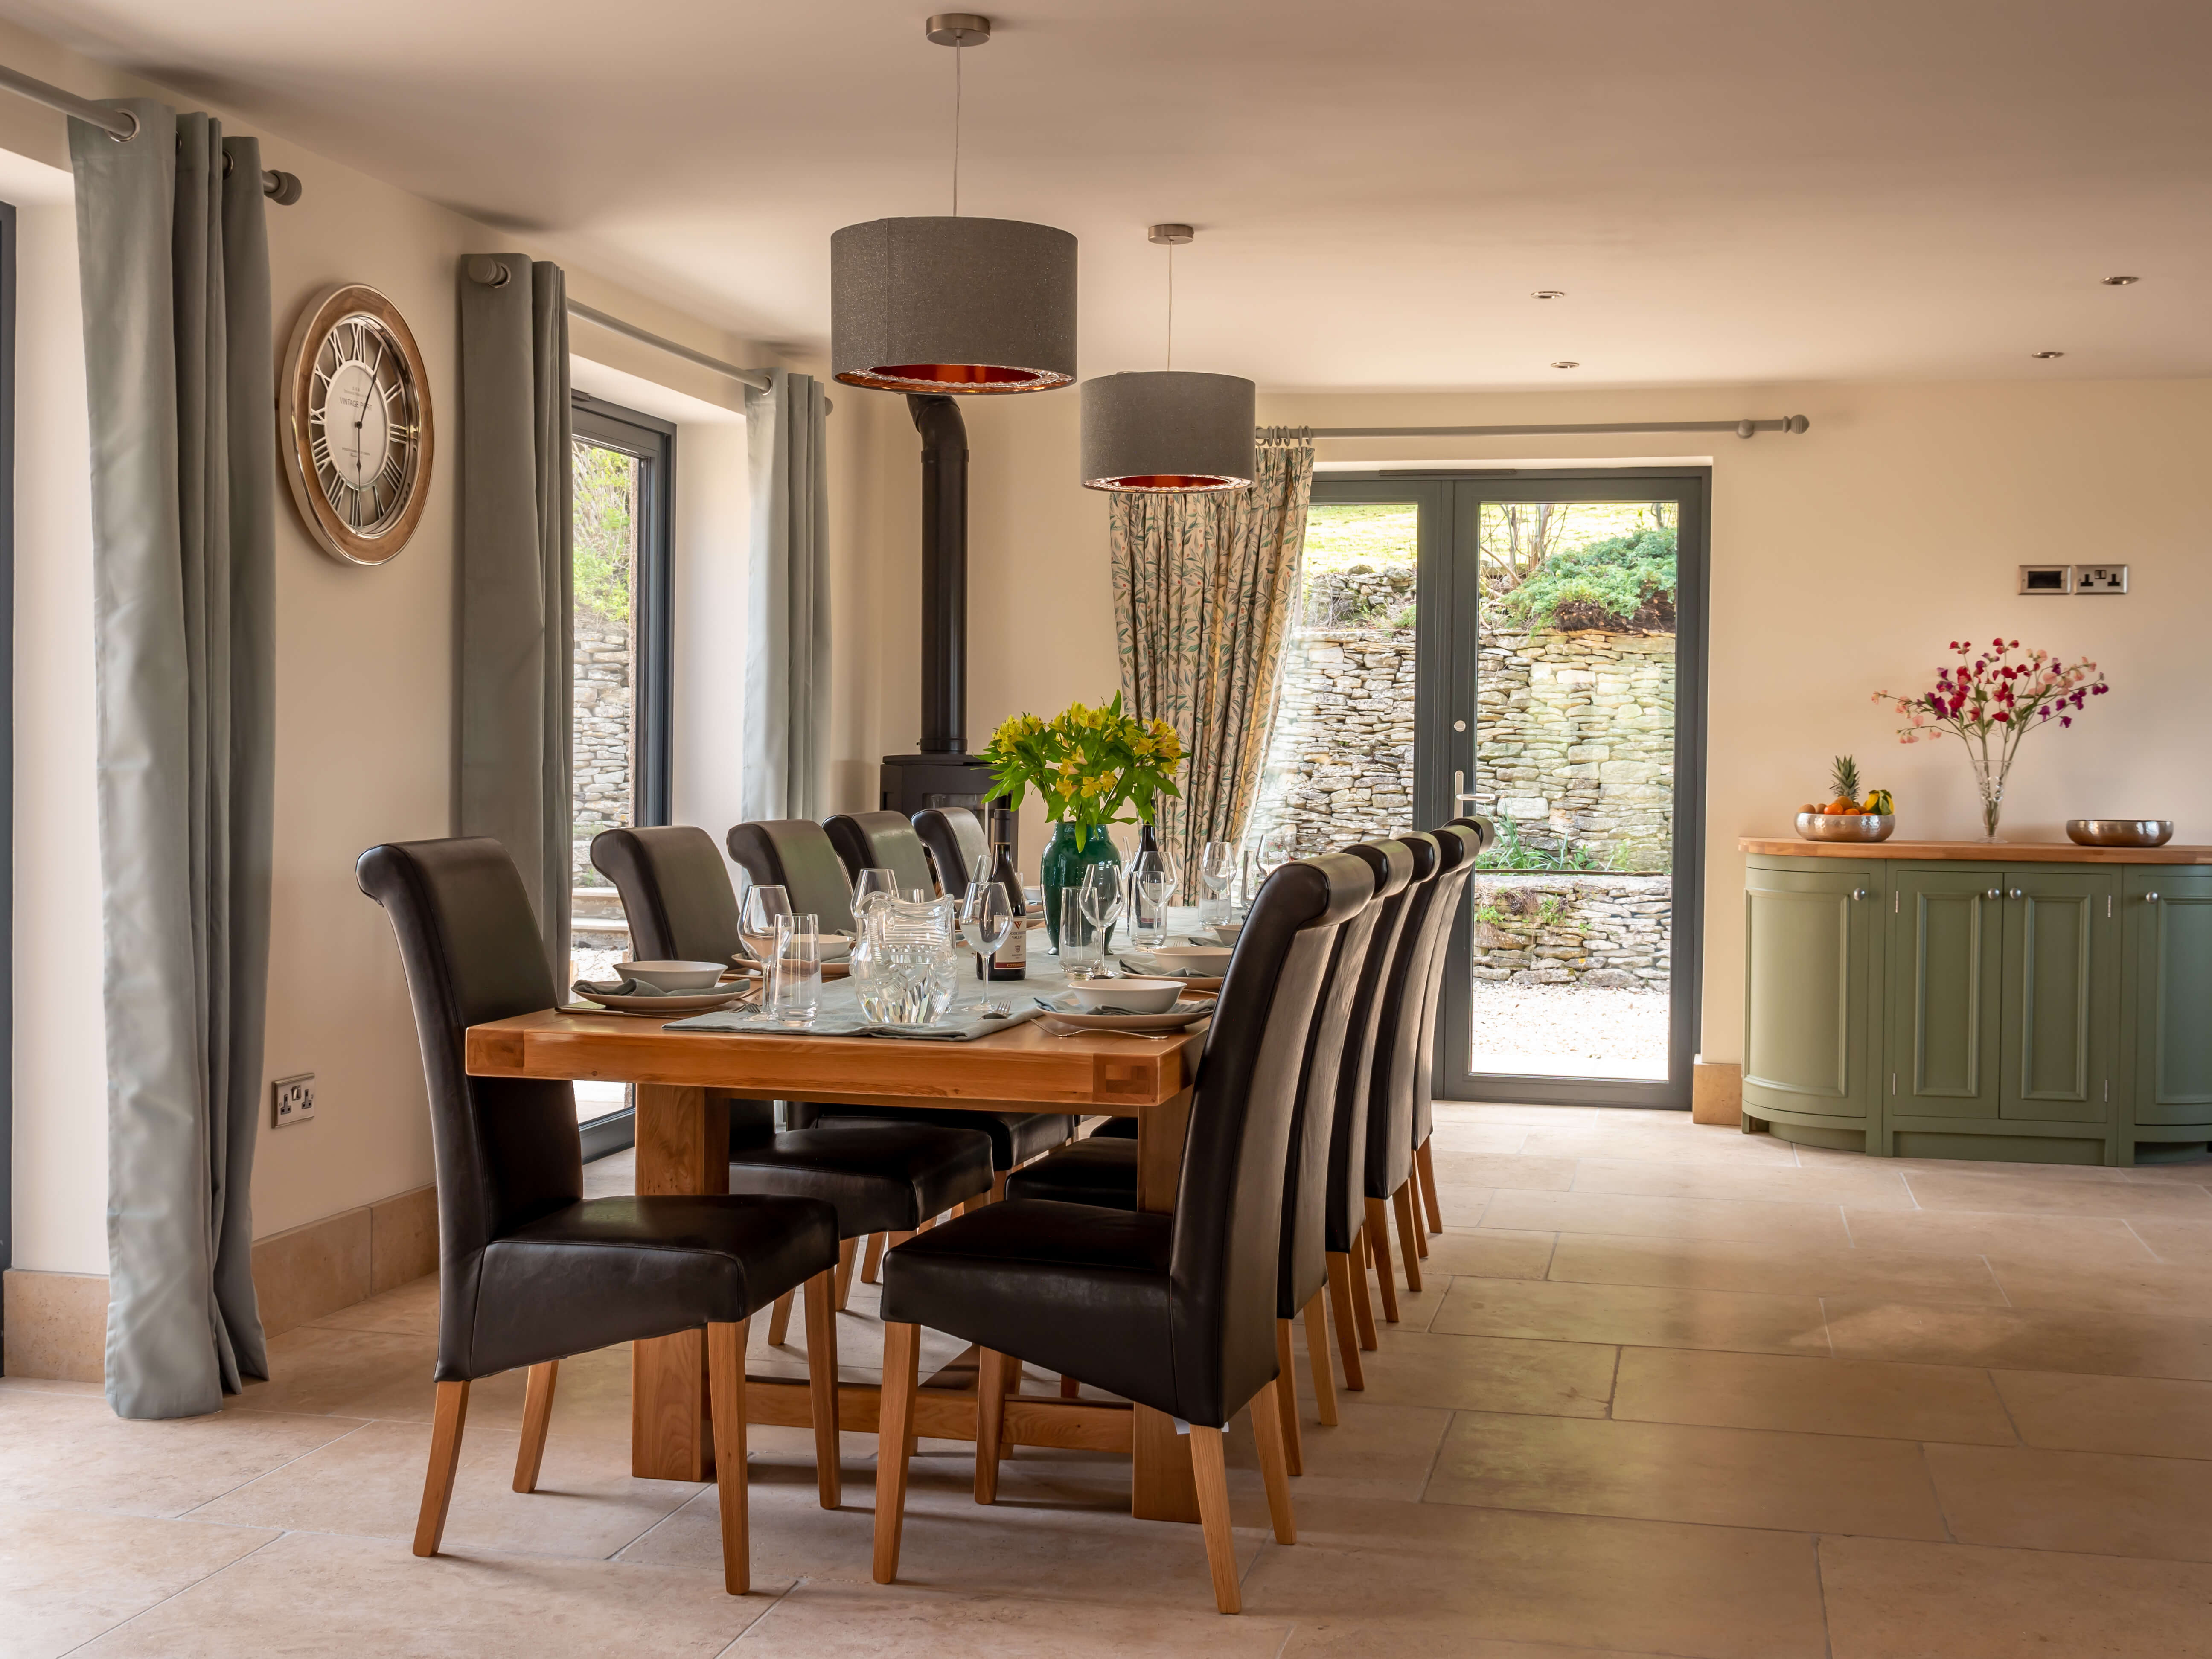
x=2036, y=1003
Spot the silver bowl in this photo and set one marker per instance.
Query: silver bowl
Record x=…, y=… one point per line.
x=2119, y=832
x=1846, y=826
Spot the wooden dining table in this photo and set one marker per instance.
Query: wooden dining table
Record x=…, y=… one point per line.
x=682, y=1081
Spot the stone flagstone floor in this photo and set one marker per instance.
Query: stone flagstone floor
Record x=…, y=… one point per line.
x=1669, y=1390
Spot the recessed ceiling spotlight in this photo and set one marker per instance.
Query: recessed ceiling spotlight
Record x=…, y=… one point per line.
x=1566, y=362
x=2046, y=356
x=2121, y=281
x=1561, y=294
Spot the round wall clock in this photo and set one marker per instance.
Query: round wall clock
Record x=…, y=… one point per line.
x=357, y=410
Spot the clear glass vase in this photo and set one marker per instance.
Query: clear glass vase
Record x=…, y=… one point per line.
x=904, y=966
x=1989, y=780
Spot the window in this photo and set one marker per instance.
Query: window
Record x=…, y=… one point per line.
x=622, y=476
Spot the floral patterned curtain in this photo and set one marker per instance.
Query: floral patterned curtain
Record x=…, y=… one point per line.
x=1203, y=590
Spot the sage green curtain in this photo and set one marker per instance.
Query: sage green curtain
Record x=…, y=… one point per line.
x=1203, y=590
x=172, y=257
x=517, y=645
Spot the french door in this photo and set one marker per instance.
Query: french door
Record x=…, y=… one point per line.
x=1558, y=687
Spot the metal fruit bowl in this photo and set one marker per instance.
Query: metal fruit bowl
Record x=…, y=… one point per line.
x=2119, y=832
x=1846, y=826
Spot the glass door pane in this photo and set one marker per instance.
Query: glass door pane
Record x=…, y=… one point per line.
x=1574, y=619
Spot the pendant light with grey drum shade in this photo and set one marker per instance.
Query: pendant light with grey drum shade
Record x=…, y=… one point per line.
x=1169, y=431
x=949, y=304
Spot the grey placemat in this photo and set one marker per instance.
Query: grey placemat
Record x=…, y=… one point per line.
x=839, y=1013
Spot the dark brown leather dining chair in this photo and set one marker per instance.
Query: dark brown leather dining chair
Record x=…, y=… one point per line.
x=1173, y=1312
x=789, y=853
x=882, y=1178
x=1451, y=899
x=1102, y=1170
x=954, y=838
x=531, y=1271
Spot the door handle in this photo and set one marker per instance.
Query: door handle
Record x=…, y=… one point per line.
x=1461, y=793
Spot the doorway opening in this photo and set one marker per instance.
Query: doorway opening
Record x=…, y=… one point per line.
x=1529, y=647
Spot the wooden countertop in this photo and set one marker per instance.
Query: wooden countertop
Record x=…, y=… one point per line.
x=1980, y=852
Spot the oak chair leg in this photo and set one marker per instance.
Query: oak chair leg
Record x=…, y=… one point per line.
x=895, y=1443
x=725, y=1393
x=1211, y=1470
x=1324, y=1379
x=1269, y=1435
x=1413, y=1185
x=990, y=1421
x=1069, y=1388
x=537, y=1417
x=1347, y=1327
x=848, y=1251
x=873, y=1262
x=1378, y=1246
x=779, y=1322
x=822, y=1388
x=1408, y=1232
x=1362, y=1303
x=1424, y=1157
x=1286, y=1387
x=451, y=1415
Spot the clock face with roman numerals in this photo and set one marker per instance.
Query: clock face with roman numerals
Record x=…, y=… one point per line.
x=360, y=418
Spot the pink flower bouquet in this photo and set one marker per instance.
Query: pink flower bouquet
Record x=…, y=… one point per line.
x=1991, y=703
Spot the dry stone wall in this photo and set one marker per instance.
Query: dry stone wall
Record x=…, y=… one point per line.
x=600, y=791
x=1572, y=927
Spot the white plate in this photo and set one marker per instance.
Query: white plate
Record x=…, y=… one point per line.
x=1202, y=958
x=675, y=1007
x=1067, y=1012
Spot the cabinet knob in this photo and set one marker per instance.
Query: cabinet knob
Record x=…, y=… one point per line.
x=1858, y=892
x=2014, y=894
x=1993, y=893
x=2150, y=898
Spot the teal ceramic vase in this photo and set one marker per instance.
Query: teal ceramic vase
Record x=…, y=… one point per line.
x=1066, y=856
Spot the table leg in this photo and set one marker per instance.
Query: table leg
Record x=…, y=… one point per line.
x=683, y=1147
x=1162, y=1485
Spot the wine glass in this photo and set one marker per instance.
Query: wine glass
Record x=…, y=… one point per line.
x=1277, y=848
x=1217, y=868
x=872, y=884
x=987, y=920
x=1105, y=894
x=765, y=906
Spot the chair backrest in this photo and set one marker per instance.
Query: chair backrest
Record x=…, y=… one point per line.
x=954, y=838
x=507, y=1150
x=795, y=855
x=1394, y=864
x=676, y=892
x=1398, y=1029
x=1302, y=1271
x=1229, y=1206
x=1473, y=836
x=869, y=840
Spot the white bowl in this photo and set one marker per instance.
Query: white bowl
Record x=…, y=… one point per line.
x=674, y=975
x=1226, y=931
x=1137, y=996
x=1213, y=957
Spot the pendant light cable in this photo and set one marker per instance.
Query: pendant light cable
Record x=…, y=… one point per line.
x=1171, y=304
x=956, y=50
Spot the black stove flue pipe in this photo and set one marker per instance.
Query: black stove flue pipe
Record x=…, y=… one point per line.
x=943, y=572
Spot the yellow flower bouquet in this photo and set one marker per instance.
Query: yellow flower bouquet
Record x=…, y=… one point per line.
x=1088, y=764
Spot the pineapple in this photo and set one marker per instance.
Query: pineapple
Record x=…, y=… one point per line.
x=1844, y=777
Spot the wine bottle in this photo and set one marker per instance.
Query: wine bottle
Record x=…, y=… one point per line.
x=1147, y=842
x=1012, y=959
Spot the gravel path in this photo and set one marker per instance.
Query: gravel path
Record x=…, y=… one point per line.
x=1569, y=1030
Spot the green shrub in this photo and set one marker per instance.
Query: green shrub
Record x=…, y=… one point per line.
x=1620, y=583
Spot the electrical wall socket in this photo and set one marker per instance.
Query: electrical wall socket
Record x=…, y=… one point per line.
x=295, y=1098
x=2100, y=579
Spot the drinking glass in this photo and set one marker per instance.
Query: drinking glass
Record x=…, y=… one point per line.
x=987, y=920
x=794, y=986
x=1105, y=894
x=872, y=884
x=764, y=906
x=1151, y=884
x=1217, y=868
x=1277, y=848
x=1080, y=955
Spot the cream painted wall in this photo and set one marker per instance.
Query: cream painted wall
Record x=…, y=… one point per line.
x=1843, y=560
x=364, y=682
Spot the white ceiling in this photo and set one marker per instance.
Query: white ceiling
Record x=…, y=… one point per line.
x=1728, y=190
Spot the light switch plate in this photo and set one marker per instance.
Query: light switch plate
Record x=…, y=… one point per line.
x=2047, y=579
x=2100, y=579
x=295, y=1098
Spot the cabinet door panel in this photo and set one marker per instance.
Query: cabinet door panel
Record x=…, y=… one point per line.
x=2170, y=995
x=2059, y=995
x=1944, y=965
x=1807, y=1047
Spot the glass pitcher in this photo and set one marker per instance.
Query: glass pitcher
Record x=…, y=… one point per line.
x=904, y=964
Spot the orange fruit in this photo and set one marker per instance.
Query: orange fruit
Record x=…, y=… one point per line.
x=1842, y=804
